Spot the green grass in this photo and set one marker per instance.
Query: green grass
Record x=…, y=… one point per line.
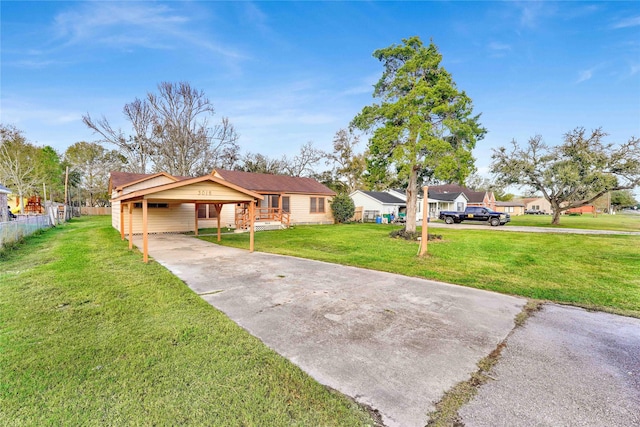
x=593, y=271
x=619, y=222
x=89, y=335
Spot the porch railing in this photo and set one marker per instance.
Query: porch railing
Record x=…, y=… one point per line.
x=261, y=214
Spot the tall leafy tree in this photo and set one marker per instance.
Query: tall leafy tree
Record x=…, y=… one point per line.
x=423, y=125
x=50, y=170
x=571, y=174
x=622, y=199
x=93, y=163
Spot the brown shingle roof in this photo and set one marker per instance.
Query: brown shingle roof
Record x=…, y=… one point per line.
x=267, y=183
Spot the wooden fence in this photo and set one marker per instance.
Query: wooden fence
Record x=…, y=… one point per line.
x=95, y=211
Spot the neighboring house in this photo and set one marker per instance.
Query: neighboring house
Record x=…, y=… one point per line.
x=397, y=202
x=512, y=207
x=537, y=204
x=178, y=204
x=4, y=202
x=378, y=203
x=446, y=202
x=581, y=210
x=474, y=198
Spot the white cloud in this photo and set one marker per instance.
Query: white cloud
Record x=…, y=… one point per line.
x=634, y=21
x=134, y=24
x=585, y=75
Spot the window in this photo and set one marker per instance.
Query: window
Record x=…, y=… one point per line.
x=317, y=205
x=151, y=205
x=460, y=207
x=274, y=201
x=508, y=209
x=285, y=204
x=207, y=211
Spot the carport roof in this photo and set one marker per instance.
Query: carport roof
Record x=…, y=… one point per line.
x=144, y=193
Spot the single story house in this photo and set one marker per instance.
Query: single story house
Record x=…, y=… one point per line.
x=474, y=198
x=377, y=203
x=537, y=204
x=512, y=207
x=162, y=203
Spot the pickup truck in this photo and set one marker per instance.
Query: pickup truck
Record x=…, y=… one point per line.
x=473, y=213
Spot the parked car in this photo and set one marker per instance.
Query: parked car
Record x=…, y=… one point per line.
x=534, y=212
x=474, y=213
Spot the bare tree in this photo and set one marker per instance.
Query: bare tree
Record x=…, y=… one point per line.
x=171, y=130
x=259, y=163
x=18, y=162
x=303, y=163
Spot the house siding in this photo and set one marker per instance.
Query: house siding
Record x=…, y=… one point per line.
x=300, y=209
x=176, y=218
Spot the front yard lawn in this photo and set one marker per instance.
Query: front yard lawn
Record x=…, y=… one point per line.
x=91, y=336
x=593, y=271
x=618, y=222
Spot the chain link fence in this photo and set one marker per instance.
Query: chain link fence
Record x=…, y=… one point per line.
x=24, y=225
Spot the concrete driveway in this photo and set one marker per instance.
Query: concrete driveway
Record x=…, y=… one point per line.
x=397, y=344
x=391, y=342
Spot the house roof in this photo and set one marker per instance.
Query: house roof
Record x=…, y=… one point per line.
x=4, y=189
x=384, y=197
x=473, y=196
x=445, y=197
x=267, y=183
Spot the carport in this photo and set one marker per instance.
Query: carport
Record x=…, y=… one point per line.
x=205, y=189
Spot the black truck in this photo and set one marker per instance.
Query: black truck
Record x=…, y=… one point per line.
x=473, y=213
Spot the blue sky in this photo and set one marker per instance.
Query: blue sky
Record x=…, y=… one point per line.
x=286, y=73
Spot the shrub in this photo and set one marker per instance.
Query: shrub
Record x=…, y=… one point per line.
x=342, y=208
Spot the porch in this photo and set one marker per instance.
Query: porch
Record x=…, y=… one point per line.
x=265, y=218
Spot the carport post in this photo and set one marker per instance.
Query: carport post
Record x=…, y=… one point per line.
x=195, y=231
x=218, y=207
x=145, y=239
x=252, y=218
x=425, y=221
x=130, y=225
x=121, y=221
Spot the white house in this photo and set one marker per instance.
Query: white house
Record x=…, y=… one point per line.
x=377, y=203
x=455, y=201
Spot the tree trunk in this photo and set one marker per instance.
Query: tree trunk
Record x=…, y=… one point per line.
x=556, y=217
x=412, y=200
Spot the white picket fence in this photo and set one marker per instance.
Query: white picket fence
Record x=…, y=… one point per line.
x=24, y=225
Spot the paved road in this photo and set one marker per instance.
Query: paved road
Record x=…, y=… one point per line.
x=565, y=367
x=397, y=343
x=524, y=229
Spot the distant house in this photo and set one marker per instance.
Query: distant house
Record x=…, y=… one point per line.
x=394, y=201
x=537, y=204
x=378, y=203
x=4, y=202
x=446, y=202
x=475, y=198
x=512, y=207
x=178, y=204
x=581, y=210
